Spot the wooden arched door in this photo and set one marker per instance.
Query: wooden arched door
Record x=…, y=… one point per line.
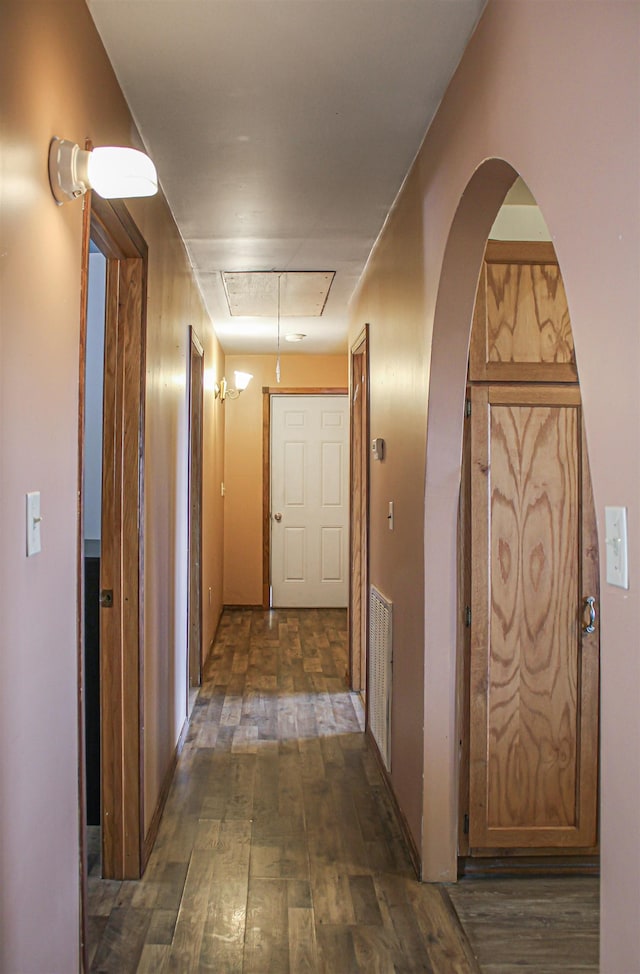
x=533, y=561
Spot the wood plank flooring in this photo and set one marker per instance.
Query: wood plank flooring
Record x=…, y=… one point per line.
x=555, y=922
x=279, y=851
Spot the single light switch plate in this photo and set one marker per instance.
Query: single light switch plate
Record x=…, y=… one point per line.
x=377, y=448
x=34, y=544
x=615, y=523
x=390, y=516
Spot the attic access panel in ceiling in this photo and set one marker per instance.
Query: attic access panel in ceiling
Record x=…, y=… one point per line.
x=254, y=294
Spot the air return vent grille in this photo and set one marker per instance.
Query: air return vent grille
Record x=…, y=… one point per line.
x=379, y=688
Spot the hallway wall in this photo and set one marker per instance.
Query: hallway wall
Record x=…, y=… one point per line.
x=556, y=95
x=243, y=459
x=55, y=79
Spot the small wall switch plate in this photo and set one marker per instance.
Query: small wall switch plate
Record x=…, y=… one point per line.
x=377, y=448
x=615, y=523
x=390, y=516
x=34, y=544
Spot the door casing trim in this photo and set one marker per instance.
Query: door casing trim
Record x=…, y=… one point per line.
x=358, y=656
x=195, y=348
x=110, y=225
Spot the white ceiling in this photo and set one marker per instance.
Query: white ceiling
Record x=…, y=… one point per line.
x=282, y=130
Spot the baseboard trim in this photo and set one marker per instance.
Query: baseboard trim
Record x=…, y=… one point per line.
x=154, y=825
x=412, y=848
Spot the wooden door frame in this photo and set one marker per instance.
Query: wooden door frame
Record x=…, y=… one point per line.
x=359, y=525
x=267, y=393
x=463, y=626
x=195, y=345
x=110, y=226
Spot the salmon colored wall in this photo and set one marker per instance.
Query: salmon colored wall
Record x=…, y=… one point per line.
x=55, y=79
x=243, y=460
x=552, y=89
x=392, y=301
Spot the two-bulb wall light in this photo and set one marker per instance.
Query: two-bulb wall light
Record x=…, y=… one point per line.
x=225, y=391
x=114, y=172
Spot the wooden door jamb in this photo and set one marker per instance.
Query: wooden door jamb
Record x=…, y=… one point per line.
x=195, y=345
x=359, y=482
x=110, y=225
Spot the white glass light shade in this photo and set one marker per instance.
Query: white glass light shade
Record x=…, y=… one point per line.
x=120, y=173
x=114, y=172
x=224, y=391
x=242, y=380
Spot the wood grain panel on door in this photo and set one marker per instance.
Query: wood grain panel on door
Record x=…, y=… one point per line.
x=532, y=723
x=521, y=329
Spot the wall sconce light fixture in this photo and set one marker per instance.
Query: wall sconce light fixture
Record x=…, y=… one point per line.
x=225, y=391
x=114, y=172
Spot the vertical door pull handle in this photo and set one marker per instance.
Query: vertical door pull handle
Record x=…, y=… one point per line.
x=590, y=604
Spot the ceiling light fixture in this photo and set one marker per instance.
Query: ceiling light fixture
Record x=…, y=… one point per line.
x=115, y=172
x=224, y=391
x=296, y=337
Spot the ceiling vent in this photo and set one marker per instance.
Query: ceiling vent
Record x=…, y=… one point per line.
x=254, y=294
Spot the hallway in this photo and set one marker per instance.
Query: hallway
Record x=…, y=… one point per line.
x=279, y=850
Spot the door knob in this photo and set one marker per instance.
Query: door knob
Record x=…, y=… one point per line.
x=278, y=516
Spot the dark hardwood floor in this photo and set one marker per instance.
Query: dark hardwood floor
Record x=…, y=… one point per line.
x=279, y=851
x=534, y=925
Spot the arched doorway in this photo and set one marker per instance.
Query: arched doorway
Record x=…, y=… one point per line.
x=476, y=213
x=528, y=663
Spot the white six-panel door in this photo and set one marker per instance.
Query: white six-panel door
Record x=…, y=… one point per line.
x=309, y=500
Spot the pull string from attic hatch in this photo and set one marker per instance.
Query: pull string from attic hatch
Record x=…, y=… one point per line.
x=278, y=358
